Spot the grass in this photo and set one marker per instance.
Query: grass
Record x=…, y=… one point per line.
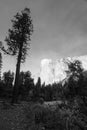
x=22, y=116
x=13, y=117
x=36, y=116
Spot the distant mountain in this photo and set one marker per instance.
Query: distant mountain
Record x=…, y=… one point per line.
x=55, y=71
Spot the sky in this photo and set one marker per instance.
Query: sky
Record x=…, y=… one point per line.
x=60, y=30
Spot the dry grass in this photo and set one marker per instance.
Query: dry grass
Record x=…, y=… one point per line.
x=13, y=117
x=22, y=116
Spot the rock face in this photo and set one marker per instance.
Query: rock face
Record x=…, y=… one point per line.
x=55, y=71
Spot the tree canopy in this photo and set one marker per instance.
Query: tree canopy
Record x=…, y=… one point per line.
x=19, y=34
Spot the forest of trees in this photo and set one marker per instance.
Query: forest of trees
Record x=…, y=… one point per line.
x=69, y=88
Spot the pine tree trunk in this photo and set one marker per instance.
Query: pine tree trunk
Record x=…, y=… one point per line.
x=0, y=65
x=16, y=83
x=0, y=73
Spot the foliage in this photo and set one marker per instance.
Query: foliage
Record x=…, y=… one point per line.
x=24, y=77
x=8, y=78
x=50, y=119
x=6, y=84
x=19, y=36
x=75, y=69
x=38, y=82
x=26, y=84
x=37, y=90
x=75, y=79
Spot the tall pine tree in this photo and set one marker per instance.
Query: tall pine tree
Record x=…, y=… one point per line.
x=18, y=42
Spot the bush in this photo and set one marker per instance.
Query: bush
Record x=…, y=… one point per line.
x=41, y=100
x=48, y=118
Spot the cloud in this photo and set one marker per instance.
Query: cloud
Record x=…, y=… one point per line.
x=60, y=24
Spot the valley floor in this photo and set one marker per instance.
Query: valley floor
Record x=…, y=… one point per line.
x=22, y=116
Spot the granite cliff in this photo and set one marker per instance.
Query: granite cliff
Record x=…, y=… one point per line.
x=55, y=71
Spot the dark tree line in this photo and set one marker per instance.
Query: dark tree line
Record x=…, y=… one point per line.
x=7, y=85
x=75, y=85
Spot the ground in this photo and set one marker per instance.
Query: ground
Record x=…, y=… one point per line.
x=20, y=116
x=27, y=116
x=13, y=117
